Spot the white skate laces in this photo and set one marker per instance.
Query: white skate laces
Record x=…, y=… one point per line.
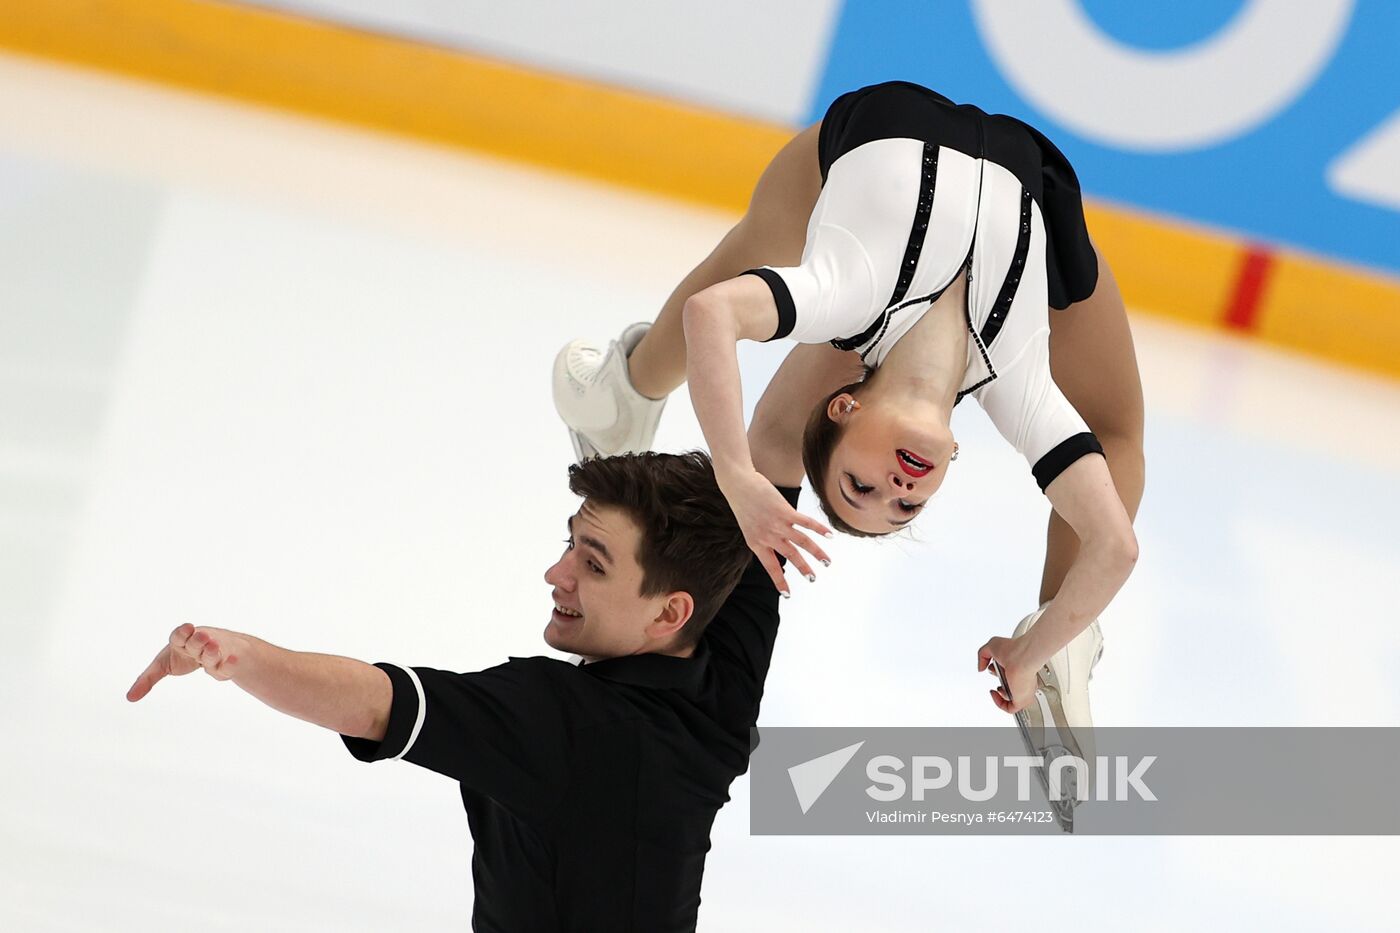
x=595, y=398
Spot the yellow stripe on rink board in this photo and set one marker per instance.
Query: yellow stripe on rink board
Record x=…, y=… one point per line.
x=1163, y=267
x=1349, y=315
x=1166, y=269
x=1343, y=313
x=407, y=87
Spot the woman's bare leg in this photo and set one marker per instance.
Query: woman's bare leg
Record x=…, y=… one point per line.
x=772, y=233
x=1094, y=364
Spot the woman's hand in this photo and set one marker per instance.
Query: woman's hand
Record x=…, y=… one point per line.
x=1019, y=672
x=770, y=525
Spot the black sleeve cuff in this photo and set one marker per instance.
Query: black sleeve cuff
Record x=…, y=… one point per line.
x=1065, y=453
x=405, y=719
x=787, y=311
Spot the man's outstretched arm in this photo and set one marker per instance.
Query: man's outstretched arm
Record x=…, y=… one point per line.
x=340, y=694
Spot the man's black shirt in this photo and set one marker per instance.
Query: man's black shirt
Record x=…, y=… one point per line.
x=590, y=789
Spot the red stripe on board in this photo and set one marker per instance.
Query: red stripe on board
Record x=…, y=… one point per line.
x=1242, y=311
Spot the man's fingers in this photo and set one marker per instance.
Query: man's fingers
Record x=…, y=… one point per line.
x=181, y=636
x=139, y=689
x=219, y=665
x=196, y=646
x=188, y=650
x=210, y=656
x=149, y=678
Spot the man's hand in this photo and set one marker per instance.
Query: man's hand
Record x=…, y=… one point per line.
x=190, y=649
x=771, y=526
x=1008, y=654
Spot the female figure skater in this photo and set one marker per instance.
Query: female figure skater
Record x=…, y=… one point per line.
x=913, y=248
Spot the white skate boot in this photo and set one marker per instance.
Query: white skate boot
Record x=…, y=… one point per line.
x=594, y=396
x=1062, y=700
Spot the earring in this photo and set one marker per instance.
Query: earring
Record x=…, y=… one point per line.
x=955, y=452
x=850, y=407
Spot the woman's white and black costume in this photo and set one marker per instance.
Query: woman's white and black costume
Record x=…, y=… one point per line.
x=916, y=191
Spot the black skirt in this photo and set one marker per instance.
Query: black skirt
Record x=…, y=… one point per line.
x=901, y=110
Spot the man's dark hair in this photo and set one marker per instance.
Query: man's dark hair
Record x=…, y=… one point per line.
x=690, y=540
x=818, y=441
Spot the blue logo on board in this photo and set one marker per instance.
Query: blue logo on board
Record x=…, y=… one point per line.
x=1275, y=119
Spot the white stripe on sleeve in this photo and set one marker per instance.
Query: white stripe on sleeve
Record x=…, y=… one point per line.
x=422, y=710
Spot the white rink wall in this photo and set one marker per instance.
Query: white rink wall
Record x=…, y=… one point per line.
x=1201, y=110
x=757, y=59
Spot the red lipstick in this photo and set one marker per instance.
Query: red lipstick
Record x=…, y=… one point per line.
x=911, y=464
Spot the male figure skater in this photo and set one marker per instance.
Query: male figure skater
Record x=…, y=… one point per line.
x=590, y=789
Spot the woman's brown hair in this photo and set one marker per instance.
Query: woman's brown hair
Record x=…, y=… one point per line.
x=819, y=439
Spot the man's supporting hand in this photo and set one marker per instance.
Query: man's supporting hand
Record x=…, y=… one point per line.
x=190, y=648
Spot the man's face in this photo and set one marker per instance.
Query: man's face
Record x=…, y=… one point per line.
x=598, y=583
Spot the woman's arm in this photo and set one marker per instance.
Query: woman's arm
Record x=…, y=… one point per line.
x=1084, y=496
x=340, y=694
x=716, y=319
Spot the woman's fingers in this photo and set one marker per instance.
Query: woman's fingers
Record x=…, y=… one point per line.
x=790, y=551
x=769, y=560
x=810, y=546
x=808, y=522
x=984, y=656
x=1006, y=699
x=987, y=661
x=800, y=562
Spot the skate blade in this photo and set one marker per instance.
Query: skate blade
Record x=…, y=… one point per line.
x=583, y=450
x=1031, y=723
x=1069, y=736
